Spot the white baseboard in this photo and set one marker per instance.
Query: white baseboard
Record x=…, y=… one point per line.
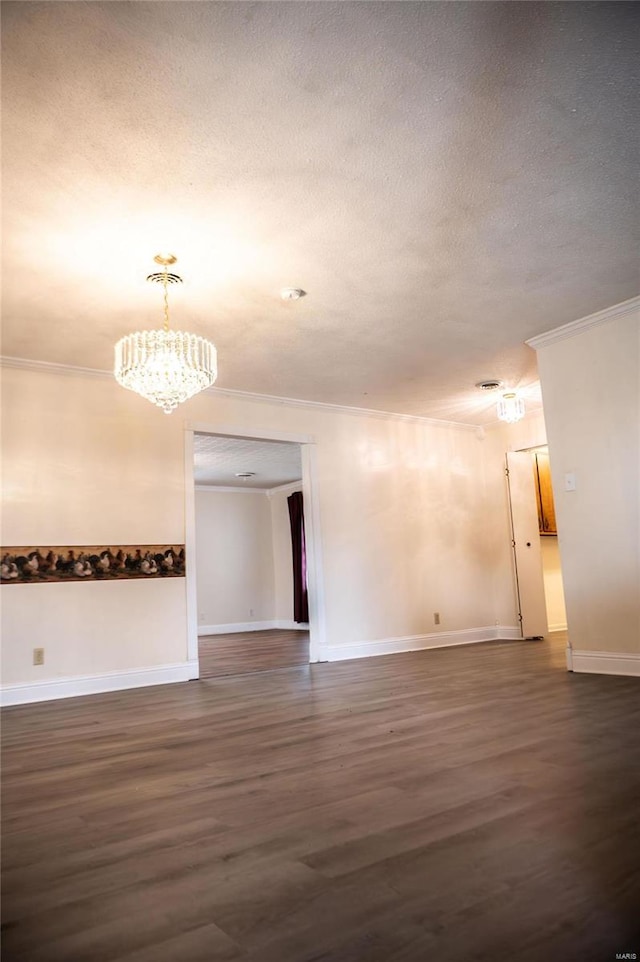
x=440, y=639
x=93, y=684
x=506, y=633
x=235, y=626
x=561, y=626
x=238, y=626
x=605, y=662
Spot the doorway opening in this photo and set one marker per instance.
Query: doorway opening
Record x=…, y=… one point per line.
x=547, y=527
x=537, y=565
x=252, y=553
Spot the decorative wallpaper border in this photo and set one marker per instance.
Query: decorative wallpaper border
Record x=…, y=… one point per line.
x=31, y=565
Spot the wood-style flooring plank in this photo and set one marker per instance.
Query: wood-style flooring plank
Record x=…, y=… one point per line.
x=465, y=804
x=243, y=652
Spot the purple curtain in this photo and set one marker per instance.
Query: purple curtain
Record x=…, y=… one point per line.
x=298, y=548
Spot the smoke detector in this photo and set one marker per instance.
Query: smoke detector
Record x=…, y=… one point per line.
x=245, y=474
x=491, y=384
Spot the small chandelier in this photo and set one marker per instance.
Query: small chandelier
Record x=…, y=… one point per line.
x=510, y=408
x=166, y=367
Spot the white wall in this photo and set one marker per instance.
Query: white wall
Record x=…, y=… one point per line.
x=282, y=557
x=79, y=467
x=408, y=520
x=93, y=628
x=234, y=558
x=590, y=385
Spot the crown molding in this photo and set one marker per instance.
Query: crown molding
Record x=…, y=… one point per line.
x=584, y=323
x=229, y=489
x=284, y=488
x=232, y=489
x=339, y=408
x=48, y=367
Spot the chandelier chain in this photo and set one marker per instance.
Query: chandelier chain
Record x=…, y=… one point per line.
x=166, y=299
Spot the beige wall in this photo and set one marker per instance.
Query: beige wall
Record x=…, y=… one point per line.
x=234, y=558
x=529, y=433
x=408, y=520
x=590, y=385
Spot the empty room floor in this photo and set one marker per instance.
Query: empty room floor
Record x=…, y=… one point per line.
x=475, y=803
x=247, y=651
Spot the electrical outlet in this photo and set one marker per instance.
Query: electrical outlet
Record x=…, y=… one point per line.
x=251, y=612
x=436, y=617
x=38, y=656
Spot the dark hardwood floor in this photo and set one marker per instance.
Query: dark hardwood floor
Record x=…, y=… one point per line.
x=247, y=651
x=463, y=804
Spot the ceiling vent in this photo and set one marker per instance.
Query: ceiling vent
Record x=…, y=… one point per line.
x=292, y=293
x=492, y=384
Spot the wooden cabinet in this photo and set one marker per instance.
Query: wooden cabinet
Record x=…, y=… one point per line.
x=544, y=493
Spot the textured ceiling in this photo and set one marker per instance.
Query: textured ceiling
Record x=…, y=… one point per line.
x=217, y=459
x=444, y=179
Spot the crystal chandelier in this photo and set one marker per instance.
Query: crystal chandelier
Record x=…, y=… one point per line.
x=166, y=367
x=510, y=408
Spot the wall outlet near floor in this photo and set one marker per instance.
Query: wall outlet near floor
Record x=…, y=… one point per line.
x=38, y=656
x=251, y=612
x=436, y=617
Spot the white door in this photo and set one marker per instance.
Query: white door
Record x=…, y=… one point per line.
x=526, y=545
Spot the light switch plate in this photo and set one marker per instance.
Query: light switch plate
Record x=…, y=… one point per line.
x=570, y=482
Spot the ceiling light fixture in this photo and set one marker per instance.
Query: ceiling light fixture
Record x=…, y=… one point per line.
x=510, y=407
x=166, y=367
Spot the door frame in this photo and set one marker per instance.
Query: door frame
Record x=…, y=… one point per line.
x=529, y=448
x=315, y=579
x=516, y=548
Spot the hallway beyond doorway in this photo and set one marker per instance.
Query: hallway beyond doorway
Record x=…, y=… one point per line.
x=244, y=652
